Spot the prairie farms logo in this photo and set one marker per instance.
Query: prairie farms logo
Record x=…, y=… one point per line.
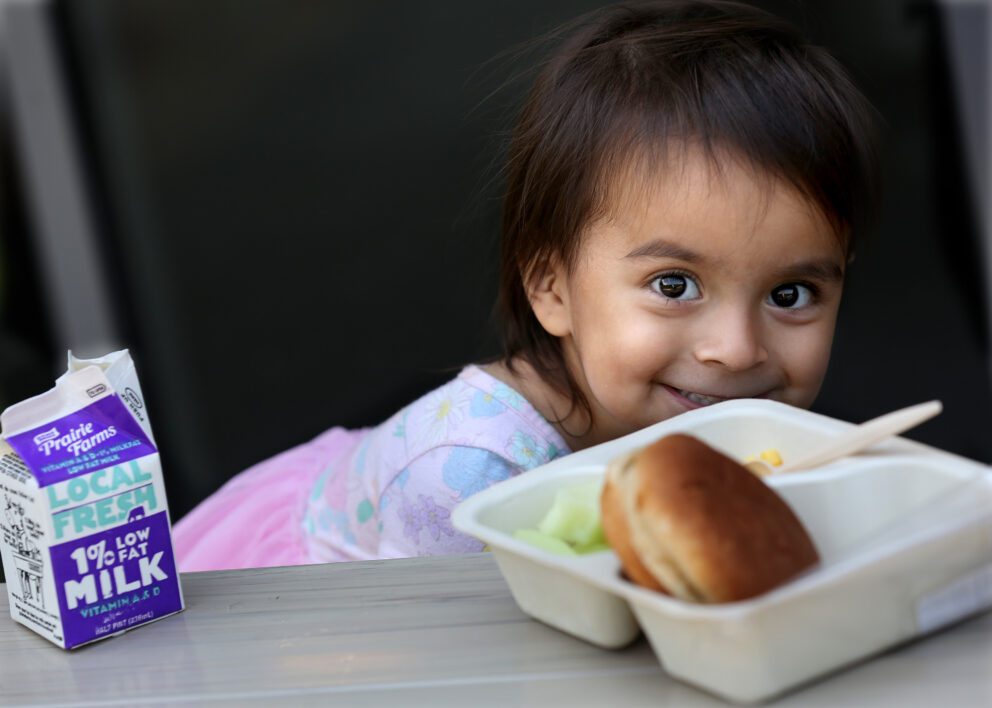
x=79, y=439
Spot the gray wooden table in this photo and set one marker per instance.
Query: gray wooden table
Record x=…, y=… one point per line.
x=432, y=632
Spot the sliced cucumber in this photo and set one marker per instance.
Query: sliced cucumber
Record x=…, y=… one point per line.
x=574, y=516
x=592, y=548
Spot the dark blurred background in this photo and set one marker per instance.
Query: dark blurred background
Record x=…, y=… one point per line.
x=288, y=210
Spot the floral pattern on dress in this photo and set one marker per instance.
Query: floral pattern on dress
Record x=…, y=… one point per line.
x=364, y=511
x=440, y=414
x=469, y=470
x=486, y=405
x=394, y=495
x=400, y=430
x=318, y=487
x=526, y=451
x=426, y=514
x=338, y=520
x=509, y=396
x=363, y=450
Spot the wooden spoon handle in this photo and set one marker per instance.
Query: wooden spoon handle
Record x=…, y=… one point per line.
x=866, y=435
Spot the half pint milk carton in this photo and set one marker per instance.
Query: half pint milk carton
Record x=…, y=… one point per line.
x=84, y=525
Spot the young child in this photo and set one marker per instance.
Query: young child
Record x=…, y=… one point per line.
x=683, y=188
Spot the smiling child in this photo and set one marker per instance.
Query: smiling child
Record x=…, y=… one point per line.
x=684, y=187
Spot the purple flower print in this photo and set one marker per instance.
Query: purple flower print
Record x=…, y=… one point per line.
x=426, y=514
x=412, y=523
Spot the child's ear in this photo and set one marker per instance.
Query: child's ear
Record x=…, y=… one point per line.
x=548, y=296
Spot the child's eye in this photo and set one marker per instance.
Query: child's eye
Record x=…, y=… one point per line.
x=791, y=296
x=676, y=286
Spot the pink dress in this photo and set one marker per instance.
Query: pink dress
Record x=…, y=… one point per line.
x=383, y=492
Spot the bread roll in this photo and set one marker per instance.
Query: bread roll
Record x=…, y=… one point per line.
x=613, y=517
x=700, y=525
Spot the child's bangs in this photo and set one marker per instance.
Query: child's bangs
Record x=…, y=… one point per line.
x=632, y=172
x=750, y=103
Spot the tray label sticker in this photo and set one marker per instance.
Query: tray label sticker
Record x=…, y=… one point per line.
x=965, y=596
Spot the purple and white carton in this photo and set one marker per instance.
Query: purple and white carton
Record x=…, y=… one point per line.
x=86, y=539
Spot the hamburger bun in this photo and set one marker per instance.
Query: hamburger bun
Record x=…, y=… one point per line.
x=613, y=517
x=702, y=526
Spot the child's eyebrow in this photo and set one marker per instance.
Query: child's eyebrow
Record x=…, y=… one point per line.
x=825, y=270
x=659, y=248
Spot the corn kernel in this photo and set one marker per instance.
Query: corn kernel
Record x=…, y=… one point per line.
x=772, y=457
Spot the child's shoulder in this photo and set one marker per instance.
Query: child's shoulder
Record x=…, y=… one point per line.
x=476, y=410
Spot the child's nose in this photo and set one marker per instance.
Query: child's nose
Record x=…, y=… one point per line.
x=732, y=338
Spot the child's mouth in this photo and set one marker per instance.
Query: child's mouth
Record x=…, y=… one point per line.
x=698, y=400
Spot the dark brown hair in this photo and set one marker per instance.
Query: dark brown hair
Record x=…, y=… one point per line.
x=629, y=81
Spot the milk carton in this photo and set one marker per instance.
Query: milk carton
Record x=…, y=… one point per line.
x=84, y=524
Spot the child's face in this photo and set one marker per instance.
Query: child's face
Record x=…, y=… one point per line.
x=713, y=287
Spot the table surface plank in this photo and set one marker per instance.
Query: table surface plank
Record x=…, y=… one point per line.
x=427, y=631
